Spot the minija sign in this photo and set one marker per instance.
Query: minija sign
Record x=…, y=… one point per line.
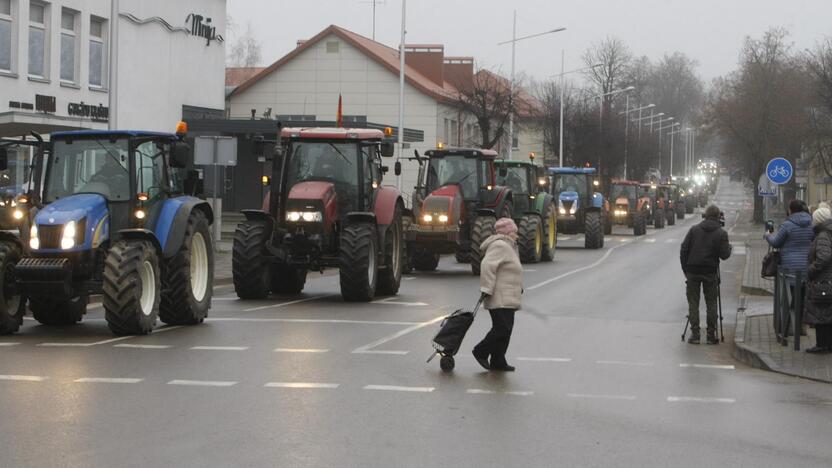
x=202, y=27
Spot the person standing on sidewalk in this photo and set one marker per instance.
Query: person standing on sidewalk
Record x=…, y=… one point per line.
x=794, y=238
x=819, y=313
x=704, y=245
x=501, y=280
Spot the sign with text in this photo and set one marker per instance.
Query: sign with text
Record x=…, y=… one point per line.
x=765, y=187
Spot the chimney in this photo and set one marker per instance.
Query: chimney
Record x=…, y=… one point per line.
x=459, y=71
x=426, y=59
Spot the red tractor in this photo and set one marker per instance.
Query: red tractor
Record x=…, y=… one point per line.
x=325, y=208
x=455, y=206
x=631, y=205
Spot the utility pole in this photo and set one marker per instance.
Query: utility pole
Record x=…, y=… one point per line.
x=112, y=76
x=511, y=89
x=560, y=145
x=401, y=89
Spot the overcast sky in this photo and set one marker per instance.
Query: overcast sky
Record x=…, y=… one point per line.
x=710, y=31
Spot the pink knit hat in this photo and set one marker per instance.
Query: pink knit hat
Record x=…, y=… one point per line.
x=505, y=226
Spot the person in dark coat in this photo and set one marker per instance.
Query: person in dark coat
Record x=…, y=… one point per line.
x=794, y=238
x=704, y=245
x=820, y=270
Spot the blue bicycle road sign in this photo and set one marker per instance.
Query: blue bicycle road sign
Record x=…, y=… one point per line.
x=779, y=171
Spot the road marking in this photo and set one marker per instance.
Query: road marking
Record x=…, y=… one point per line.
x=6, y=344
x=671, y=241
x=650, y=241
x=390, y=301
x=300, y=350
x=623, y=240
x=479, y=391
x=368, y=349
x=709, y=366
x=565, y=238
x=111, y=340
x=288, y=320
x=519, y=393
x=544, y=359
x=530, y=271
x=570, y=273
x=396, y=388
x=142, y=346
x=301, y=385
x=23, y=378
x=203, y=383
x=408, y=278
x=298, y=301
x=219, y=348
x=626, y=363
x=122, y=380
x=601, y=397
x=687, y=399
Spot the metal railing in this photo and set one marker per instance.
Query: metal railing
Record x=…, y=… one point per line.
x=789, y=294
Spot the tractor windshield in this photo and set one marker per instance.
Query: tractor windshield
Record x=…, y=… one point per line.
x=88, y=166
x=622, y=191
x=570, y=183
x=450, y=170
x=517, y=179
x=324, y=161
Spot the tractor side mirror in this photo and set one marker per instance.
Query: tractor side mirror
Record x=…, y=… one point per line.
x=279, y=152
x=179, y=155
x=4, y=159
x=387, y=149
x=397, y=168
x=385, y=169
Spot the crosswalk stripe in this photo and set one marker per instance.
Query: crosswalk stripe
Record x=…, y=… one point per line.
x=23, y=378
x=123, y=380
x=203, y=383
x=301, y=385
x=397, y=388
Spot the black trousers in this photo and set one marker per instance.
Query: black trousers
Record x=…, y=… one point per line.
x=708, y=283
x=496, y=340
x=823, y=334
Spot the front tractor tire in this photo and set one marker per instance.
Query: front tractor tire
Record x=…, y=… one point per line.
x=132, y=287
x=359, y=262
x=640, y=223
x=658, y=221
x=671, y=217
x=390, y=278
x=187, y=285
x=12, y=304
x=249, y=266
x=593, y=230
x=530, y=239
x=483, y=228
x=550, y=234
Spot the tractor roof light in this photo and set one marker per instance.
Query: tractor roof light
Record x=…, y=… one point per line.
x=388, y=131
x=440, y=145
x=181, y=128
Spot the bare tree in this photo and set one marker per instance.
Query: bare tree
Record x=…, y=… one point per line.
x=486, y=96
x=246, y=50
x=819, y=68
x=613, y=58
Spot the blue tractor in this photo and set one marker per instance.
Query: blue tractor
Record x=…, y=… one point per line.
x=117, y=217
x=579, y=208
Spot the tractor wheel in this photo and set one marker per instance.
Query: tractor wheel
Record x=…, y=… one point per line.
x=359, y=262
x=425, y=261
x=530, y=239
x=638, y=221
x=188, y=282
x=483, y=228
x=550, y=234
x=12, y=304
x=390, y=278
x=607, y=226
x=689, y=207
x=250, y=269
x=287, y=279
x=658, y=219
x=50, y=311
x=462, y=255
x=680, y=211
x=593, y=230
x=131, y=287
x=671, y=217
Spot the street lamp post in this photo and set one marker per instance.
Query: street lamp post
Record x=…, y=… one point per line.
x=601, y=104
x=562, y=74
x=672, y=138
x=661, y=132
x=400, y=136
x=112, y=78
x=627, y=127
x=514, y=40
x=659, y=123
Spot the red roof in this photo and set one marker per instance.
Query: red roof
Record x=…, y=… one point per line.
x=332, y=133
x=235, y=76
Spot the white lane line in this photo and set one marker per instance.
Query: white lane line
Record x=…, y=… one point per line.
x=479, y=391
x=396, y=388
x=670, y=241
x=391, y=301
x=300, y=350
x=625, y=363
x=6, y=344
x=23, y=378
x=203, y=383
x=142, y=346
x=219, y=348
x=368, y=348
x=519, y=393
x=570, y=273
x=111, y=340
x=225, y=298
x=709, y=366
x=408, y=278
x=301, y=385
x=623, y=240
x=564, y=238
x=650, y=241
x=288, y=320
x=601, y=397
x=687, y=399
x=298, y=301
x=544, y=359
x=121, y=380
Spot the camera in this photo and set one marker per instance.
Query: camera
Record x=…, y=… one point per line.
x=769, y=226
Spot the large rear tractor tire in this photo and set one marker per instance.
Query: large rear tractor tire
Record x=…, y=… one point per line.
x=390, y=278
x=286, y=279
x=132, y=287
x=425, y=261
x=671, y=217
x=550, y=234
x=58, y=312
x=188, y=282
x=462, y=255
x=359, y=262
x=593, y=230
x=658, y=219
x=12, y=304
x=483, y=228
x=680, y=211
x=639, y=222
x=249, y=267
x=530, y=239
x=607, y=225
x=689, y=206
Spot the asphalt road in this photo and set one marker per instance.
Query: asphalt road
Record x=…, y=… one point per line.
x=602, y=378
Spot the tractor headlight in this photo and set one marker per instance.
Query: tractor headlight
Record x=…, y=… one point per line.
x=34, y=242
x=305, y=216
x=427, y=218
x=574, y=208
x=443, y=218
x=68, y=237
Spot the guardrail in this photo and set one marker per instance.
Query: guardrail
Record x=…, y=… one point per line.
x=788, y=306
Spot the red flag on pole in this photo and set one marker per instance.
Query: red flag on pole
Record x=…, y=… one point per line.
x=339, y=119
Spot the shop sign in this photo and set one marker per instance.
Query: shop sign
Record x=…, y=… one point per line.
x=95, y=113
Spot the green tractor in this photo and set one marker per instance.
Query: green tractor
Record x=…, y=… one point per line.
x=534, y=209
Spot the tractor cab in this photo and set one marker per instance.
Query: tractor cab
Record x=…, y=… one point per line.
x=523, y=178
x=19, y=160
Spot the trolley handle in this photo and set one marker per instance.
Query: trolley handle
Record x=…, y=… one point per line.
x=479, y=303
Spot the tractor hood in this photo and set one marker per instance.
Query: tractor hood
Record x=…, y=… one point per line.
x=569, y=196
x=445, y=201
x=89, y=211
x=312, y=191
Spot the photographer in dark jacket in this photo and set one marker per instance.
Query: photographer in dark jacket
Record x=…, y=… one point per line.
x=703, y=247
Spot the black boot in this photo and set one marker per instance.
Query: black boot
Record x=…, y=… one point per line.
x=695, y=338
x=712, y=339
x=482, y=359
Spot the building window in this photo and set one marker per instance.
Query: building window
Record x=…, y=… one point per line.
x=97, y=52
x=37, y=40
x=515, y=141
x=69, y=49
x=446, y=134
x=6, y=22
x=332, y=47
x=454, y=138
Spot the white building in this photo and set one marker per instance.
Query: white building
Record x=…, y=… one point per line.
x=55, y=63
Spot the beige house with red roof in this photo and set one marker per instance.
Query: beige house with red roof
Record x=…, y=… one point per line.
x=305, y=85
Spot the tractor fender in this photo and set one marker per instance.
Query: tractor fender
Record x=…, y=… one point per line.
x=387, y=198
x=486, y=212
x=542, y=202
x=141, y=234
x=597, y=200
x=172, y=221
